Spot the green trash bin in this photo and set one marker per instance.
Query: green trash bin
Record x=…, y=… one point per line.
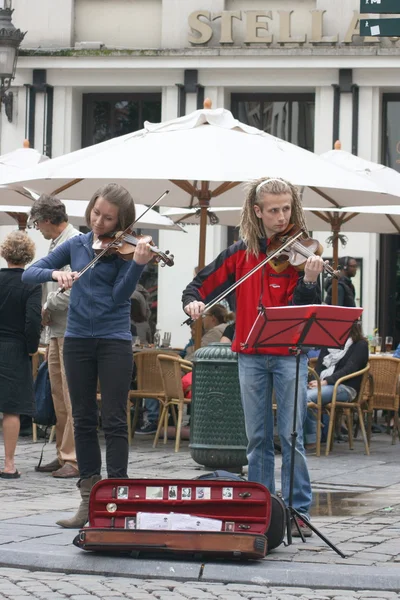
x=217, y=432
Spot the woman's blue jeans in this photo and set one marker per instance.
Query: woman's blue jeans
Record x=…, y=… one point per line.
x=259, y=376
x=310, y=425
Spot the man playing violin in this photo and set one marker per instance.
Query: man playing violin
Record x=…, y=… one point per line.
x=271, y=205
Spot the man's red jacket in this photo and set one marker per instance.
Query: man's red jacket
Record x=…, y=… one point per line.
x=266, y=287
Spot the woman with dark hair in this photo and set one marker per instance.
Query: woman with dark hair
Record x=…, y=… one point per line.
x=20, y=317
x=333, y=364
x=215, y=320
x=98, y=340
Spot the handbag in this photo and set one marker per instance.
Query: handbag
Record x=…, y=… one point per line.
x=44, y=411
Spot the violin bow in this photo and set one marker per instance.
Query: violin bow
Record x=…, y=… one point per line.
x=269, y=257
x=117, y=237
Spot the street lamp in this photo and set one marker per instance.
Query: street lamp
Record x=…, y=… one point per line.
x=10, y=40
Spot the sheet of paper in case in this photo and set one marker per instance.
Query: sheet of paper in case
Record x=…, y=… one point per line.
x=179, y=522
x=152, y=520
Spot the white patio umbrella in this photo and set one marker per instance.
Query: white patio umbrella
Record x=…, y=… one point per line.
x=9, y=215
x=385, y=178
x=364, y=219
x=22, y=158
x=206, y=154
x=11, y=165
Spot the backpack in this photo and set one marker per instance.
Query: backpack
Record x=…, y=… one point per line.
x=277, y=528
x=44, y=412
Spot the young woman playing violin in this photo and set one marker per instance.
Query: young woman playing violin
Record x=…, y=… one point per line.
x=270, y=207
x=97, y=343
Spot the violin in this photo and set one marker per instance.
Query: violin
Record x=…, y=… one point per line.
x=297, y=253
x=123, y=244
x=121, y=236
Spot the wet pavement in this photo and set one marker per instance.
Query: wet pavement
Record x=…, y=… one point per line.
x=356, y=505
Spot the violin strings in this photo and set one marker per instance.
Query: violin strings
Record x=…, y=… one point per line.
x=307, y=253
x=131, y=238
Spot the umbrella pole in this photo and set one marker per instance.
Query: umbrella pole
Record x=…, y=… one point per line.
x=335, y=249
x=204, y=197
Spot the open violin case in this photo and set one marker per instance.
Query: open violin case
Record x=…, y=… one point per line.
x=238, y=514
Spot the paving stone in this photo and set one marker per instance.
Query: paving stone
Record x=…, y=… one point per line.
x=192, y=594
x=248, y=588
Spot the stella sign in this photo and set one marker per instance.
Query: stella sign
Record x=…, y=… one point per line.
x=256, y=27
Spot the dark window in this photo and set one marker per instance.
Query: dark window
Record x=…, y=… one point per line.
x=389, y=253
x=287, y=116
x=106, y=116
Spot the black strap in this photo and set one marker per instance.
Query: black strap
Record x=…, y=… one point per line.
x=45, y=442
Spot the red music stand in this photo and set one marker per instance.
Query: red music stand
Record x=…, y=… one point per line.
x=297, y=327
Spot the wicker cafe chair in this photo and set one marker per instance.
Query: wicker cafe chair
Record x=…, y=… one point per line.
x=383, y=392
x=348, y=408
x=171, y=368
x=149, y=383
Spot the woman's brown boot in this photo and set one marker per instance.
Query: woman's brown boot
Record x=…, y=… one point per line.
x=82, y=514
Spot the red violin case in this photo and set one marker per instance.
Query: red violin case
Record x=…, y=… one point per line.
x=243, y=507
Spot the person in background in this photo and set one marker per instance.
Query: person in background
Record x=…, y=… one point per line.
x=271, y=205
x=215, y=320
x=20, y=324
x=188, y=350
x=98, y=341
x=140, y=322
x=229, y=334
x=332, y=364
x=346, y=291
x=49, y=216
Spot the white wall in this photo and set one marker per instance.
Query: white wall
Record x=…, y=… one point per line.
x=120, y=24
x=49, y=23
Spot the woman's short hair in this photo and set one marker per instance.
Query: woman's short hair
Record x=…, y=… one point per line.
x=18, y=248
x=219, y=312
x=120, y=197
x=49, y=208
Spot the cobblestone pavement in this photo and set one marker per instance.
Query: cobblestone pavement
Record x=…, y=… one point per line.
x=356, y=505
x=20, y=584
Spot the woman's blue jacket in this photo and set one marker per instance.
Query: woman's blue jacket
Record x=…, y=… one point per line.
x=100, y=299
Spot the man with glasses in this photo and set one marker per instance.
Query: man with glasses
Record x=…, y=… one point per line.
x=49, y=216
x=346, y=291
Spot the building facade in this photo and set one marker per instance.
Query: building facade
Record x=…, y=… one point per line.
x=89, y=70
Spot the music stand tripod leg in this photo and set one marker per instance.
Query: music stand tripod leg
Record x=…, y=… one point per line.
x=292, y=512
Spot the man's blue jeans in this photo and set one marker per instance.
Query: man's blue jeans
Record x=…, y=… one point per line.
x=259, y=376
x=310, y=425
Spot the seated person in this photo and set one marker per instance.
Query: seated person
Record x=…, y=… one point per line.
x=215, y=321
x=139, y=322
x=188, y=350
x=333, y=364
x=229, y=334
